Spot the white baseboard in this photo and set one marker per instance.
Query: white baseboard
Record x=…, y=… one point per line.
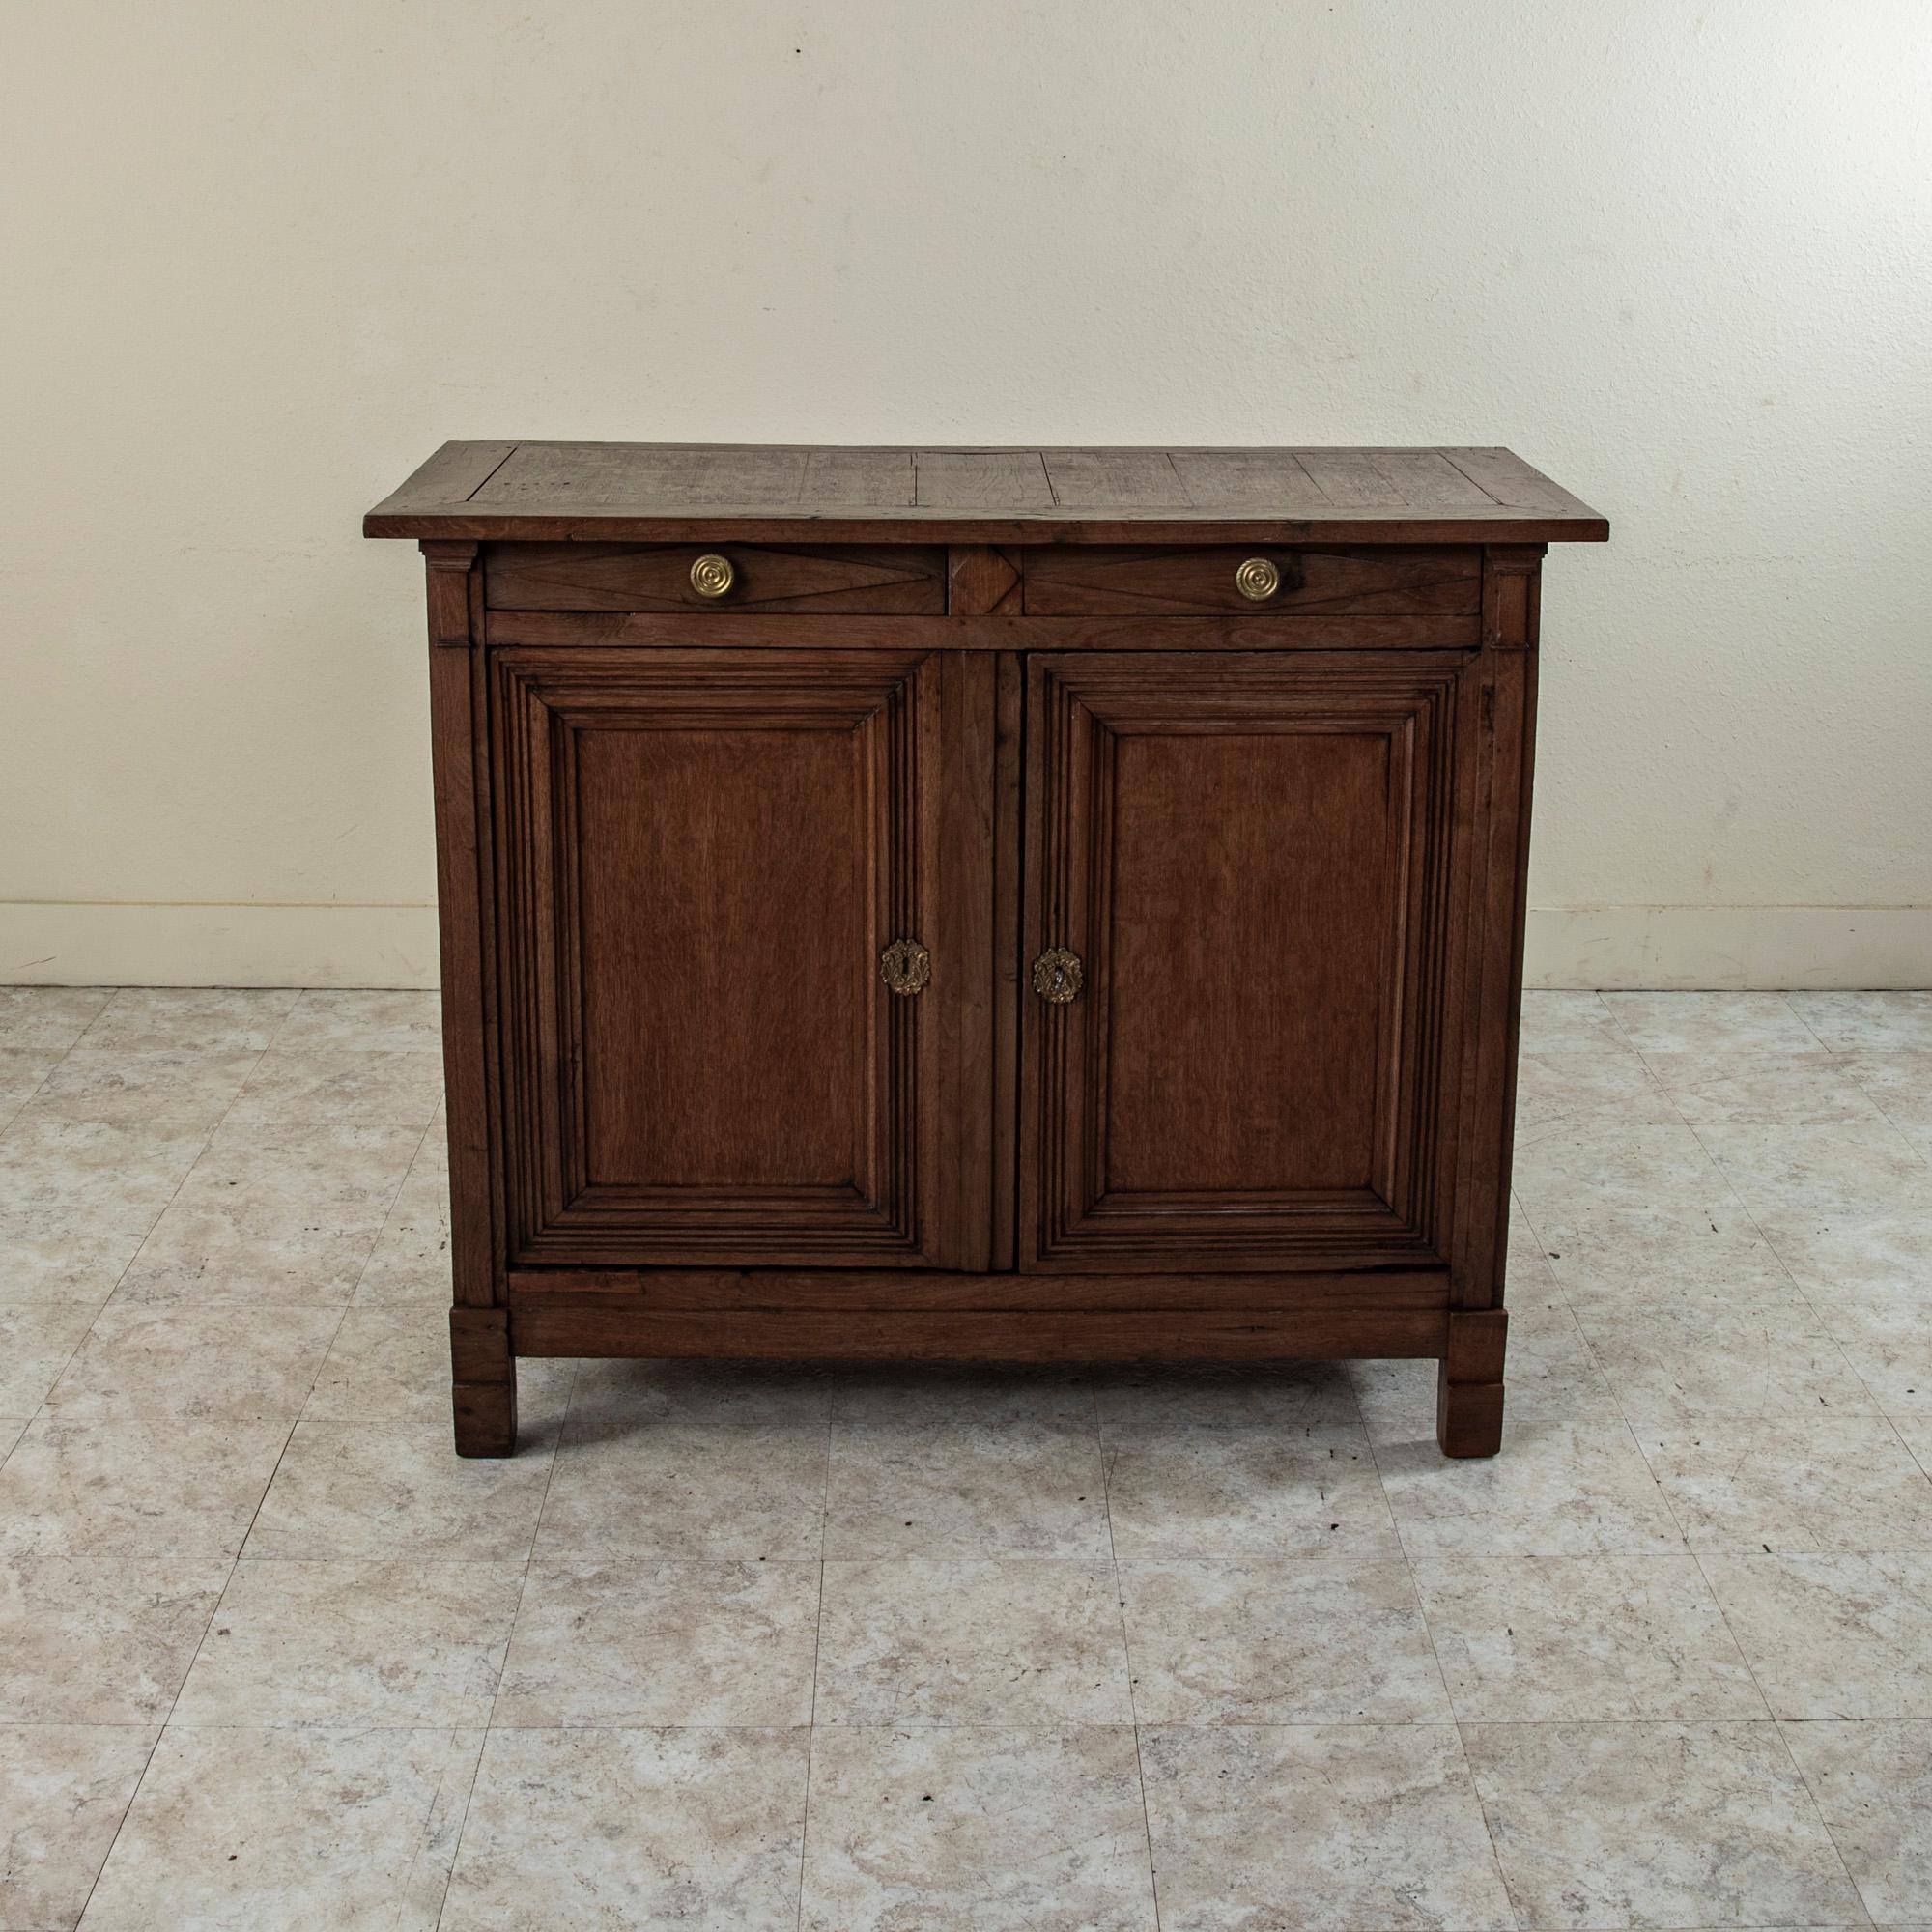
x=217, y=946
x=1728, y=947
x=395, y=946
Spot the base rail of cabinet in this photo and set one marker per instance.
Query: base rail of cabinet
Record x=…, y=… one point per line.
x=1467, y=1344
x=957, y=1334
x=1304, y=1295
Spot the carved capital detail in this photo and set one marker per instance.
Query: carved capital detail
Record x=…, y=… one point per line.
x=450, y=564
x=1511, y=586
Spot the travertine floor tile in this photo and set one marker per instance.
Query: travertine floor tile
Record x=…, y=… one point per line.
x=39, y=1018
x=1537, y=1639
x=1703, y=1255
x=410, y=1261
x=1558, y=1091
x=1614, y=1166
x=12, y=1429
x=100, y=1640
x=1899, y=1084
x=973, y=1463
x=632, y=1827
x=1916, y=1432
x=210, y=1019
x=672, y=1459
x=76, y=1200
x=1833, y=1637
x=1656, y=1825
x=1886, y=1340
x=390, y=1643
x=1736, y=1023
x=327, y=1101
x=1868, y=1022
x=1787, y=1089
x=249, y=1228
x=1557, y=1489
x=147, y=1361
x=641, y=1643
x=1245, y=1465
x=1322, y=1827
x=63, y=1790
x=1873, y=1783
x=1819, y=1481
x=1569, y=1023
x=38, y=1339
x=135, y=1486
x=180, y=1090
x=22, y=1071
x=349, y=1489
x=1002, y=1831
x=233, y=1830
x=1835, y=1258
x=972, y=1641
x=1279, y=1643
x=365, y=1022
x=1672, y=1366
x=1850, y=1170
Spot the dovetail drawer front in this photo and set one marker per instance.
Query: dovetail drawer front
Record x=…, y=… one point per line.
x=1102, y=580
x=894, y=581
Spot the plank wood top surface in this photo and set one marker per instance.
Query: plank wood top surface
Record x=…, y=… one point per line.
x=647, y=492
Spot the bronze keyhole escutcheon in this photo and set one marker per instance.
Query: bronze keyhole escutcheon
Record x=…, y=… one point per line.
x=1057, y=976
x=905, y=966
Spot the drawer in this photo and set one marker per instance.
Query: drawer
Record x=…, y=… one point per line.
x=836, y=580
x=1223, y=580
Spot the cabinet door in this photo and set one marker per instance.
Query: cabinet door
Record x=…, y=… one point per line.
x=704, y=857
x=1256, y=862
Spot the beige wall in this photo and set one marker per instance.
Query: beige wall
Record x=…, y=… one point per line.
x=260, y=258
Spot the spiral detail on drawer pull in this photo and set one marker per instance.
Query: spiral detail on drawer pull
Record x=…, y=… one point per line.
x=1258, y=579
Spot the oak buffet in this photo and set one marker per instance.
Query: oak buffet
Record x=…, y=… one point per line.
x=980, y=903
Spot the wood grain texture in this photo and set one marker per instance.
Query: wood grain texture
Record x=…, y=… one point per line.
x=1329, y=1297
x=1254, y=856
x=483, y=1381
x=759, y=494
x=999, y=1335
x=458, y=772
x=1470, y=1384
x=1154, y=581
x=1285, y=630
x=985, y=582
x=990, y=700
x=807, y=579
x=708, y=855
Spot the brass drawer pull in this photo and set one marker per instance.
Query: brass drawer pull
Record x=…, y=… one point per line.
x=1057, y=976
x=905, y=966
x=1257, y=579
x=712, y=575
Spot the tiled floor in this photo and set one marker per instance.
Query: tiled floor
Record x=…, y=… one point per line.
x=756, y=1648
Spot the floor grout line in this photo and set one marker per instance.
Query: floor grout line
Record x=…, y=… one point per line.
x=1127, y=1649
x=817, y=1646
x=489, y=1724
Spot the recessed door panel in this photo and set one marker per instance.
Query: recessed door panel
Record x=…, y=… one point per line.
x=1254, y=860
x=1243, y=1049
x=706, y=854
